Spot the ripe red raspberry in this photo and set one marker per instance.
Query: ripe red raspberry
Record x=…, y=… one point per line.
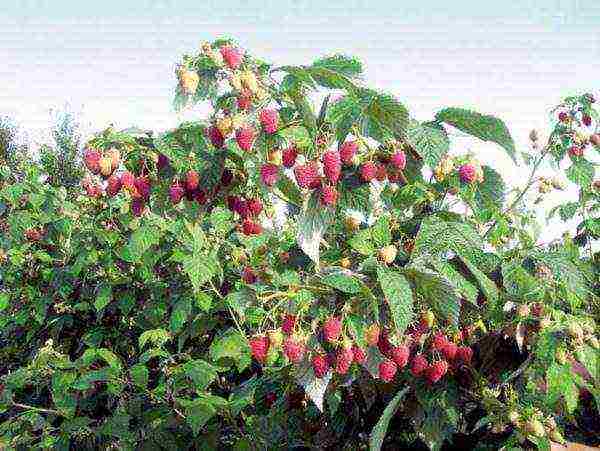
x=332, y=328
x=91, y=159
x=250, y=227
x=467, y=173
x=289, y=156
x=113, y=185
x=293, y=349
x=216, y=137
x=368, y=171
x=259, y=347
x=244, y=100
x=163, y=162
x=347, y=151
x=398, y=160
x=439, y=341
x=226, y=177
x=419, y=365
x=384, y=345
x=563, y=116
x=269, y=120
x=93, y=190
x=269, y=174
x=436, y=371
x=128, y=180
x=320, y=365
x=587, y=120
x=576, y=151
x=192, y=180
x=142, y=186
x=332, y=166
x=372, y=334
x=360, y=356
x=254, y=206
x=248, y=275
x=307, y=175
x=232, y=56
x=289, y=321
x=381, y=173
x=464, y=354
x=449, y=350
x=343, y=359
x=387, y=370
x=329, y=195
x=400, y=355
x=244, y=138
x=176, y=193
x=137, y=206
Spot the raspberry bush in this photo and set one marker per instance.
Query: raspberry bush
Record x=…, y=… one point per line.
x=306, y=266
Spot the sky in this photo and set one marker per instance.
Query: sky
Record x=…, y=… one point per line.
x=113, y=61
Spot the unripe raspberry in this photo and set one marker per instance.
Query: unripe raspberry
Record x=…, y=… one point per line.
x=137, y=206
x=128, y=180
x=575, y=331
x=269, y=119
x=576, y=151
x=398, y=160
x=255, y=207
x=248, y=275
x=587, y=120
x=250, y=227
x=91, y=159
x=232, y=56
x=400, y=355
x=320, y=365
x=360, y=356
x=293, y=349
x=275, y=338
x=307, y=175
x=595, y=139
x=113, y=185
x=249, y=81
x=259, y=347
x=332, y=166
x=464, y=354
x=329, y=195
x=427, y=319
x=216, y=137
x=332, y=328
x=289, y=156
x=419, y=365
x=269, y=174
x=449, y=350
x=467, y=173
x=106, y=166
x=188, y=80
x=368, y=171
x=192, y=180
x=176, y=193
x=289, y=321
x=347, y=151
x=244, y=138
x=345, y=263
x=343, y=359
x=380, y=173
x=535, y=427
x=351, y=223
x=372, y=334
x=387, y=370
x=388, y=254
x=115, y=157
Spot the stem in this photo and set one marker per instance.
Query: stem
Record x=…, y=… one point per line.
x=37, y=409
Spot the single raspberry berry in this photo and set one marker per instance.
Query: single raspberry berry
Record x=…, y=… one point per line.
x=289, y=156
x=332, y=328
x=400, y=355
x=360, y=356
x=232, y=202
x=93, y=190
x=419, y=365
x=289, y=321
x=436, y=371
x=269, y=174
x=387, y=370
x=372, y=334
x=142, y=186
x=269, y=120
x=398, y=160
x=576, y=151
x=113, y=185
x=250, y=227
x=293, y=349
x=226, y=177
x=449, y=351
x=200, y=196
x=137, y=206
x=91, y=159
x=106, y=166
x=232, y=56
x=368, y=171
x=381, y=173
x=595, y=139
x=439, y=342
x=464, y=354
x=163, y=162
x=320, y=365
x=384, y=345
x=216, y=137
x=128, y=180
x=244, y=100
x=241, y=208
x=244, y=138
x=259, y=347
x=248, y=275
x=347, y=151
x=254, y=206
x=332, y=166
x=587, y=120
x=192, y=180
x=329, y=195
x=176, y=193
x=467, y=173
x=275, y=338
x=343, y=359
x=563, y=116
x=307, y=175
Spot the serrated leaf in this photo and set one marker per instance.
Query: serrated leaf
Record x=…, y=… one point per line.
x=362, y=243
x=179, y=315
x=314, y=387
x=466, y=288
x=231, y=345
x=139, y=375
x=399, y=296
x=157, y=337
x=381, y=233
x=201, y=373
x=312, y=223
x=491, y=192
x=243, y=396
x=200, y=268
x=103, y=298
x=343, y=282
x=346, y=65
x=581, y=172
x=380, y=429
x=489, y=288
x=429, y=142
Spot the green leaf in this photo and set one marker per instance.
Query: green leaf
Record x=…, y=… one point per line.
x=243, y=396
x=287, y=189
x=381, y=233
x=140, y=241
x=429, y=142
x=312, y=223
x=203, y=301
x=103, y=298
x=489, y=288
x=581, y=172
x=486, y=128
x=180, y=314
x=490, y=193
x=437, y=291
x=200, y=268
x=466, y=288
x=590, y=358
x=139, y=375
x=314, y=387
x=157, y=337
x=361, y=242
x=4, y=300
x=343, y=282
x=380, y=429
x=231, y=345
x=342, y=64
x=201, y=373
x=399, y=296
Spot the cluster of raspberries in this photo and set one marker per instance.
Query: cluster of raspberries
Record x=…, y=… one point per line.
x=248, y=211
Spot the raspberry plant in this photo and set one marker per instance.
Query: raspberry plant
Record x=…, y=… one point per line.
x=304, y=267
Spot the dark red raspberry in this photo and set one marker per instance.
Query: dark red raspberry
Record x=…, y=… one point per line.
x=467, y=173
x=332, y=329
x=215, y=136
x=464, y=354
x=400, y=355
x=347, y=151
x=176, y=193
x=320, y=365
x=226, y=177
x=368, y=171
x=419, y=365
x=250, y=227
x=398, y=160
x=248, y=275
x=387, y=370
x=269, y=119
x=289, y=321
x=269, y=174
x=332, y=166
x=163, y=162
x=113, y=186
x=587, y=120
x=343, y=359
x=563, y=116
x=293, y=349
x=360, y=356
x=232, y=202
x=241, y=208
x=329, y=195
x=255, y=207
x=200, y=196
x=259, y=347
x=232, y=56
x=137, y=206
x=142, y=186
x=270, y=399
x=244, y=138
x=289, y=156
x=307, y=175
x=437, y=370
x=384, y=345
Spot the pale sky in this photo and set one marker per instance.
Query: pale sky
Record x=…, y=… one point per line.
x=113, y=61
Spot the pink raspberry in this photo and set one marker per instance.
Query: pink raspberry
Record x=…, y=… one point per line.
x=467, y=173
x=215, y=136
x=232, y=56
x=289, y=156
x=307, y=175
x=137, y=206
x=419, y=365
x=398, y=160
x=259, y=347
x=387, y=370
x=176, y=193
x=91, y=158
x=368, y=171
x=269, y=120
x=343, y=359
x=248, y=275
x=576, y=151
x=128, y=180
x=360, y=356
x=439, y=341
x=332, y=328
x=464, y=354
x=329, y=195
x=332, y=166
x=587, y=120
x=347, y=151
x=400, y=355
x=192, y=180
x=269, y=174
x=142, y=186
x=320, y=365
x=293, y=349
x=244, y=101
x=254, y=206
x=449, y=351
x=436, y=371
x=244, y=138
x=289, y=321
x=113, y=185
x=250, y=227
